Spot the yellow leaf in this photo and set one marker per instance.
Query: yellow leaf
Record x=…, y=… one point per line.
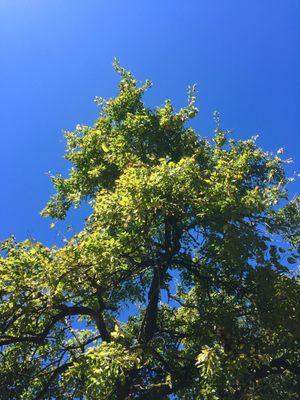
x=104, y=147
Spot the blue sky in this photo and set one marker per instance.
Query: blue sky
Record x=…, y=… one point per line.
x=55, y=57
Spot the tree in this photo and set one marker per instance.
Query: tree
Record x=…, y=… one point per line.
x=193, y=237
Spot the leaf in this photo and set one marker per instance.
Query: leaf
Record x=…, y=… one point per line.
x=104, y=147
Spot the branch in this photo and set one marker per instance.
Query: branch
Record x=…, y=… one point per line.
x=95, y=315
x=65, y=311
x=159, y=391
x=155, y=392
x=276, y=367
x=149, y=323
x=55, y=373
x=171, y=247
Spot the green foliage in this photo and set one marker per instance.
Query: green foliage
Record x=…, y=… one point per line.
x=102, y=368
x=178, y=285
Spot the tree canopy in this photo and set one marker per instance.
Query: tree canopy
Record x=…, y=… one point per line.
x=180, y=285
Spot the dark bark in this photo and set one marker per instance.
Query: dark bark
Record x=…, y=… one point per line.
x=64, y=312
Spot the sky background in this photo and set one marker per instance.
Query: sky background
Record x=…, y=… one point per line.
x=56, y=55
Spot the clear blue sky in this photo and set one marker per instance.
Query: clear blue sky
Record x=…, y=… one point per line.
x=55, y=57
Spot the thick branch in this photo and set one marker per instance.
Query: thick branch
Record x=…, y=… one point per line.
x=171, y=247
x=65, y=311
x=277, y=367
x=149, y=324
